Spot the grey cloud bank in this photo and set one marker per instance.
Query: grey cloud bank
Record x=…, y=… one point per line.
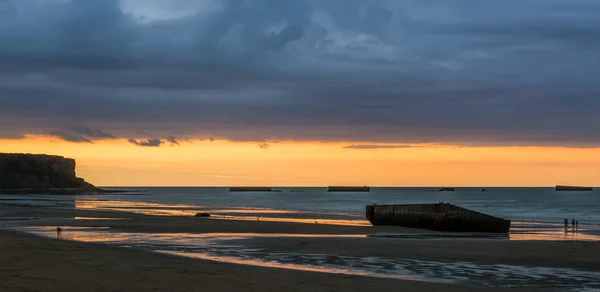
x=377, y=146
x=466, y=72
x=81, y=134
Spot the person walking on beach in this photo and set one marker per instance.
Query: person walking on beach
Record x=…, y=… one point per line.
x=573, y=223
x=58, y=233
x=566, y=223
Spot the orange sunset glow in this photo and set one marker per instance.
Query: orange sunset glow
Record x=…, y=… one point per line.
x=290, y=163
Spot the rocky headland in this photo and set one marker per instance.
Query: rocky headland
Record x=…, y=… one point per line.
x=37, y=173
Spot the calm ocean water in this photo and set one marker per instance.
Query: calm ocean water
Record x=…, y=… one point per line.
x=517, y=204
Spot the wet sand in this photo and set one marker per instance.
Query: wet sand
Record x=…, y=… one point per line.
x=32, y=263
x=558, y=254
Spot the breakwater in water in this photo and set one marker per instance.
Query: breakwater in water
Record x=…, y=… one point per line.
x=348, y=189
x=573, y=189
x=250, y=189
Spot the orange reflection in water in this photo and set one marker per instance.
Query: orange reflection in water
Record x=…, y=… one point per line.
x=78, y=233
x=161, y=209
x=102, y=234
x=130, y=239
x=298, y=220
x=155, y=209
x=271, y=264
x=555, y=235
x=99, y=218
x=144, y=208
x=553, y=232
x=254, y=211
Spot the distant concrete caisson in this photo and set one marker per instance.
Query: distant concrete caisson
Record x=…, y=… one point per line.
x=446, y=189
x=573, y=189
x=250, y=189
x=348, y=189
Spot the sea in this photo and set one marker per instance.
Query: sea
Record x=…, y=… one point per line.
x=517, y=204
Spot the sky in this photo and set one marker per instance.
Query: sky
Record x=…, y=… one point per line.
x=305, y=92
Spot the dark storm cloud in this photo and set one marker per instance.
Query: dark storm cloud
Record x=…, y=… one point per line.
x=92, y=133
x=477, y=73
x=147, y=143
x=376, y=146
x=172, y=140
x=70, y=136
x=81, y=134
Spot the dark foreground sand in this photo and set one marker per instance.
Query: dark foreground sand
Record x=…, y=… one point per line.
x=30, y=263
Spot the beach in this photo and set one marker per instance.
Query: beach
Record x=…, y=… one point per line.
x=103, y=250
x=31, y=263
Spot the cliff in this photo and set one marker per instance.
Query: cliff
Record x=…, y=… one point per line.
x=40, y=172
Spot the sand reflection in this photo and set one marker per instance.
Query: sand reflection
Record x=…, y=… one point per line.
x=145, y=208
x=553, y=232
x=555, y=235
x=245, y=214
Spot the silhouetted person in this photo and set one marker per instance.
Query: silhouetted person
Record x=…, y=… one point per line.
x=573, y=223
x=58, y=233
x=566, y=223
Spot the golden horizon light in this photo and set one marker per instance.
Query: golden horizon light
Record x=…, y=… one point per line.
x=297, y=163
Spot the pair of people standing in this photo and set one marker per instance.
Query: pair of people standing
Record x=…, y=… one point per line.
x=574, y=223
